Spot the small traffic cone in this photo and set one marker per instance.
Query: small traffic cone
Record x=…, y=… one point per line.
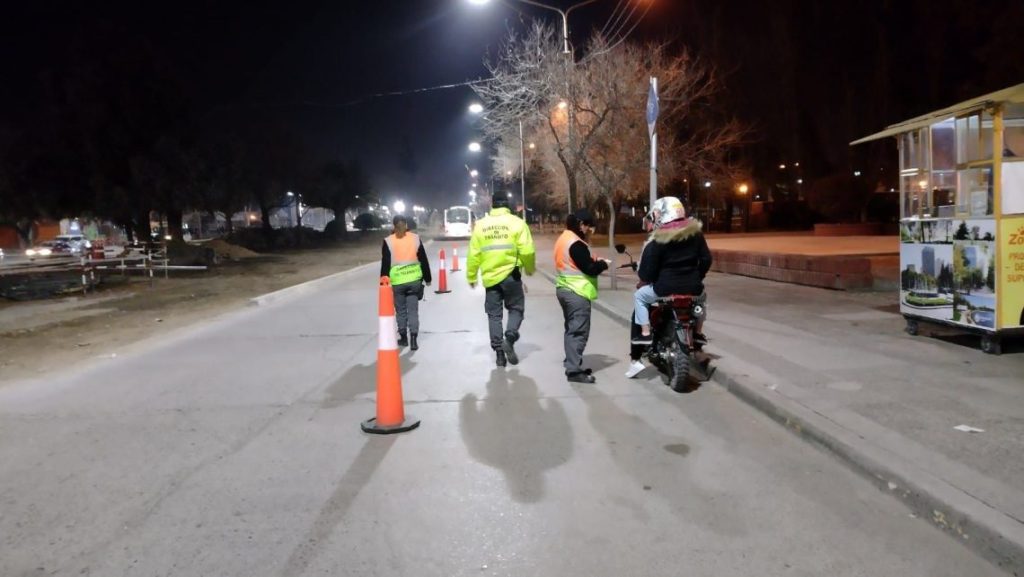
x=390, y=408
x=455, y=259
x=442, y=277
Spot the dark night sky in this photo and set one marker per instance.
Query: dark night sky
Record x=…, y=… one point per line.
x=305, y=61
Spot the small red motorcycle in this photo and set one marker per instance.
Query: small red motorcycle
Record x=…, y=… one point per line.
x=675, y=348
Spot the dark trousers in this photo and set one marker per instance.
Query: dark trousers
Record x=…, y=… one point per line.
x=576, y=312
x=509, y=293
x=407, y=305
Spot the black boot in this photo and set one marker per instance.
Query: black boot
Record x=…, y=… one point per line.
x=412, y=342
x=508, y=346
x=500, y=360
x=403, y=340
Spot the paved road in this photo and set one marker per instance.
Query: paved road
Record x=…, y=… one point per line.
x=234, y=449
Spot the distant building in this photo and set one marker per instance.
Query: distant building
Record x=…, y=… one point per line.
x=928, y=261
x=971, y=254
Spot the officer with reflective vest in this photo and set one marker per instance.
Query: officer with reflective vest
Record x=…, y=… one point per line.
x=500, y=250
x=404, y=261
x=576, y=289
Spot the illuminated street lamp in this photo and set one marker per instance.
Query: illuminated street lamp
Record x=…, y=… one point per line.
x=743, y=189
x=476, y=108
x=563, y=13
x=399, y=207
x=474, y=173
x=474, y=147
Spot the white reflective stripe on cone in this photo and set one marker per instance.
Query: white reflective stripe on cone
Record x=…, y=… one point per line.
x=387, y=335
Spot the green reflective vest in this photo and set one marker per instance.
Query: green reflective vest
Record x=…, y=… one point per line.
x=569, y=275
x=405, y=265
x=501, y=242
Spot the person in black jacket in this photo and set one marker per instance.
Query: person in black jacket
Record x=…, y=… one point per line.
x=675, y=261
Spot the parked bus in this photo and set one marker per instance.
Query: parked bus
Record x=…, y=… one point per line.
x=458, y=222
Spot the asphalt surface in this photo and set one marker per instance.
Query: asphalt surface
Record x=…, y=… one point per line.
x=234, y=448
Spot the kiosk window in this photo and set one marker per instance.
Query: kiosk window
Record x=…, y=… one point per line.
x=944, y=177
x=976, y=191
x=1013, y=132
x=974, y=138
x=914, y=173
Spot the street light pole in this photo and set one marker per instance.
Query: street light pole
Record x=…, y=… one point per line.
x=569, y=64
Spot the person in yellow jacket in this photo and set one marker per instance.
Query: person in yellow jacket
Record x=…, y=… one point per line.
x=404, y=261
x=576, y=289
x=500, y=250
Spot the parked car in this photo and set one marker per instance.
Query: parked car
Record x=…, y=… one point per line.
x=48, y=248
x=76, y=243
x=62, y=245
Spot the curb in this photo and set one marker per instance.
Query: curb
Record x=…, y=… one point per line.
x=989, y=533
x=302, y=288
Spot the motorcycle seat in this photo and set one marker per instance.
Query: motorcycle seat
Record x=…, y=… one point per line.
x=677, y=301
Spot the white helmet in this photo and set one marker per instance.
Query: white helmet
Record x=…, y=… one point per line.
x=665, y=210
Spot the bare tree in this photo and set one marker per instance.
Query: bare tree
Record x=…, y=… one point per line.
x=607, y=160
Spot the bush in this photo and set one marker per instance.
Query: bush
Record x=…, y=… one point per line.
x=366, y=221
x=839, y=198
x=790, y=215
x=181, y=253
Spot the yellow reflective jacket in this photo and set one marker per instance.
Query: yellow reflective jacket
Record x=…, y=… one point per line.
x=501, y=241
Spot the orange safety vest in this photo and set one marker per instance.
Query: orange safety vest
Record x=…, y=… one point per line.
x=405, y=265
x=569, y=275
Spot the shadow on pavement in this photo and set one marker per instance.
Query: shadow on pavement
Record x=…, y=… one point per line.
x=334, y=509
x=599, y=362
x=660, y=464
x=512, y=431
x=358, y=380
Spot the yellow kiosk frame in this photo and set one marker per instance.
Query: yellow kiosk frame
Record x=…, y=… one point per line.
x=962, y=216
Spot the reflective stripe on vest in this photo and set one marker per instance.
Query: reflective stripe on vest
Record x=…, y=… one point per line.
x=569, y=275
x=405, y=265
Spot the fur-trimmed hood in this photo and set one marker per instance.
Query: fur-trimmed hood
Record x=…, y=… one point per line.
x=677, y=231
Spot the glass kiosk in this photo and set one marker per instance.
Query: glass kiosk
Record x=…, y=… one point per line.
x=962, y=216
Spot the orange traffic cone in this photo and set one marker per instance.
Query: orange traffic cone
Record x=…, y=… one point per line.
x=390, y=408
x=455, y=259
x=442, y=277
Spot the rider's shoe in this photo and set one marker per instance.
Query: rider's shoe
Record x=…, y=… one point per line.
x=635, y=368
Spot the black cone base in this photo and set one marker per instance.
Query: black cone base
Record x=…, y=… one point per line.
x=370, y=426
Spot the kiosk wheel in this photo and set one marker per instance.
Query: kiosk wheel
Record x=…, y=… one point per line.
x=990, y=344
x=912, y=328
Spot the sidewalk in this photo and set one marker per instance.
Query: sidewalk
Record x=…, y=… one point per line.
x=836, y=368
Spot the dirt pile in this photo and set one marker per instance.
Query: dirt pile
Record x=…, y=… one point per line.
x=226, y=250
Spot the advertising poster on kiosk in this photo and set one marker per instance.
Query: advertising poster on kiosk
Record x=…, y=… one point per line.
x=1011, y=277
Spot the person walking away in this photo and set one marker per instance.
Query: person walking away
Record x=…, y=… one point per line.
x=675, y=261
x=576, y=289
x=500, y=251
x=404, y=261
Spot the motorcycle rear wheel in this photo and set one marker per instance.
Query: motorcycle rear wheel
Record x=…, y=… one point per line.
x=679, y=368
